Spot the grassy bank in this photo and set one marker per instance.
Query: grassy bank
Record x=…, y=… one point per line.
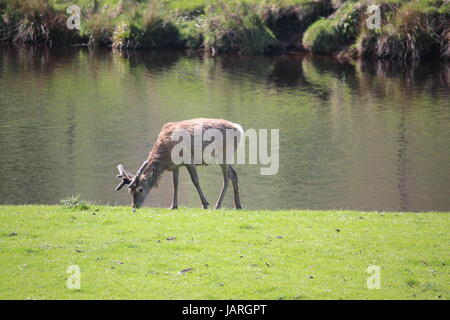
x=233, y=254
x=409, y=29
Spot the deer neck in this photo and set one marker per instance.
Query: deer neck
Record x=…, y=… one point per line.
x=153, y=174
x=157, y=160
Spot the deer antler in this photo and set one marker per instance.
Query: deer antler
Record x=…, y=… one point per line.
x=135, y=180
x=126, y=179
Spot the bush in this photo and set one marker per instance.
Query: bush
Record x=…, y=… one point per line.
x=191, y=32
x=289, y=19
x=146, y=27
x=99, y=29
x=412, y=31
x=159, y=34
x=236, y=27
x=322, y=37
x=4, y=21
x=33, y=21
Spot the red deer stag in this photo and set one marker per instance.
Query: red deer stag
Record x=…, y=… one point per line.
x=160, y=160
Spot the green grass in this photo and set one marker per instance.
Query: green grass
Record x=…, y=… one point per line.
x=215, y=25
x=322, y=37
x=234, y=254
x=409, y=29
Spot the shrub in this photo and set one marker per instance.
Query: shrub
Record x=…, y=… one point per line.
x=160, y=33
x=191, y=31
x=146, y=27
x=445, y=43
x=322, y=37
x=288, y=20
x=235, y=27
x=412, y=31
x=99, y=29
x=34, y=21
x=348, y=20
x=4, y=21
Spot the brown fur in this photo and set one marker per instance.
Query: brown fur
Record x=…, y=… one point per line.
x=159, y=158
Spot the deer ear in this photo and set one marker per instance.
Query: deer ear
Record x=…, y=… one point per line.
x=152, y=173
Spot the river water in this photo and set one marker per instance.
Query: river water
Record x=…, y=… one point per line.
x=366, y=136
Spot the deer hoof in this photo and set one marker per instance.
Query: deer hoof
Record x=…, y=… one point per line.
x=174, y=207
x=238, y=207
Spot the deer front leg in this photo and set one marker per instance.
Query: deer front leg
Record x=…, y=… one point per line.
x=224, y=186
x=194, y=177
x=234, y=181
x=175, y=189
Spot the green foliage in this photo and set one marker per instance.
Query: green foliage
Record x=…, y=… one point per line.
x=191, y=30
x=322, y=37
x=159, y=34
x=244, y=254
x=410, y=29
x=289, y=19
x=99, y=29
x=146, y=27
x=33, y=21
x=331, y=34
x=74, y=202
x=4, y=17
x=348, y=19
x=236, y=27
x=184, y=6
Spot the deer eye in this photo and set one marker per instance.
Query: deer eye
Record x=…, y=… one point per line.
x=139, y=189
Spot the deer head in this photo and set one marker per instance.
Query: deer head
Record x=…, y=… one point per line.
x=138, y=186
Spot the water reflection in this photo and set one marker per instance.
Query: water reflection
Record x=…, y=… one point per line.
x=370, y=136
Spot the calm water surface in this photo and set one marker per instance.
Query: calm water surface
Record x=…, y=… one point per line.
x=372, y=136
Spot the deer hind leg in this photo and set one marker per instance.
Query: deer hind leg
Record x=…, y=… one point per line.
x=234, y=180
x=194, y=177
x=224, y=186
x=175, y=189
